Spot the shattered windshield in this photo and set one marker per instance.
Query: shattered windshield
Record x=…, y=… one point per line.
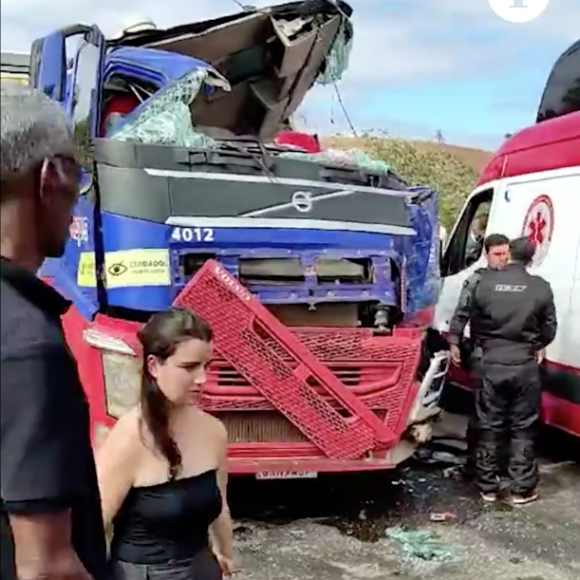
x=165, y=118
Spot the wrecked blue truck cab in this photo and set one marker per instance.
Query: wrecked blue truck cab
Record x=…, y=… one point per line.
x=188, y=199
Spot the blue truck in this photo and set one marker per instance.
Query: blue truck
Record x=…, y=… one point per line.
x=319, y=272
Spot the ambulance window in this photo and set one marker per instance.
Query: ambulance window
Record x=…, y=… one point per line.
x=466, y=243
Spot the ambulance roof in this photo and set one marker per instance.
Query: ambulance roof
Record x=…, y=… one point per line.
x=549, y=145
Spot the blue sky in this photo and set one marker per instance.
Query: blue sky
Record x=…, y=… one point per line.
x=449, y=65
x=417, y=66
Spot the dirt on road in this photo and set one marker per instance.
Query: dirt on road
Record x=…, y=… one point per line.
x=336, y=528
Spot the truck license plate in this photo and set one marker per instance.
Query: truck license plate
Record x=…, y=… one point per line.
x=286, y=475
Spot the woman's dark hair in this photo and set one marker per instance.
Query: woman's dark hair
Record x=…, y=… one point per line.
x=160, y=337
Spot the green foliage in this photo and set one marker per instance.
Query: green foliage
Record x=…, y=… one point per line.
x=441, y=170
x=84, y=144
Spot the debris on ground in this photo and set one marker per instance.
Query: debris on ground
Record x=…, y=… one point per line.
x=446, y=457
x=447, y=448
x=430, y=456
x=442, y=516
x=333, y=527
x=453, y=471
x=423, y=544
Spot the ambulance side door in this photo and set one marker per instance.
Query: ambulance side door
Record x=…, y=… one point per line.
x=545, y=207
x=457, y=265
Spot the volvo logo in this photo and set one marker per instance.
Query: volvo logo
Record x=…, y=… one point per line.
x=302, y=201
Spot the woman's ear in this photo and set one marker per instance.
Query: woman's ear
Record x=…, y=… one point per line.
x=153, y=366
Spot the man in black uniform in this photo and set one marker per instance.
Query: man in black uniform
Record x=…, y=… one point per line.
x=497, y=252
x=52, y=528
x=513, y=319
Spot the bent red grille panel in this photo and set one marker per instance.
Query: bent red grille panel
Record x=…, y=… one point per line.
x=379, y=369
x=283, y=368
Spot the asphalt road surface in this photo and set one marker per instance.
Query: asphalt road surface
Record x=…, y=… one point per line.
x=337, y=528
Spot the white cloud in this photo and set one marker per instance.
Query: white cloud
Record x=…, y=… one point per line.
x=397, y=43
x=442, y=39
x=25, y=20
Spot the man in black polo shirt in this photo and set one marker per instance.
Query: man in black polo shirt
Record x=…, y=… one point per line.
x=52, y=526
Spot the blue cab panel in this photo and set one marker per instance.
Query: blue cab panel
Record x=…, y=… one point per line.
x=295, y=229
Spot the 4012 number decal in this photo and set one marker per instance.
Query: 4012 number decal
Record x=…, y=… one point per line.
x=204, y=235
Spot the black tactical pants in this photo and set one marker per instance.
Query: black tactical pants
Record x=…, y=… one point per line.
x=508, y=409
x=472, y=434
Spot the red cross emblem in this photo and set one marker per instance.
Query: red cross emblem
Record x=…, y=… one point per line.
x=536, y=229
x=539, y=226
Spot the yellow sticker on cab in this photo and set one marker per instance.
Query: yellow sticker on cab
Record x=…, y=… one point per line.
x=128, y=268
x=86, y=272
x=131, y=268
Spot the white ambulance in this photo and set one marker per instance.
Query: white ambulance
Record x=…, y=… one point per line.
x=531, y=187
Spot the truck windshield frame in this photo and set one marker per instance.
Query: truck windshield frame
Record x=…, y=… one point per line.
x=82, y=86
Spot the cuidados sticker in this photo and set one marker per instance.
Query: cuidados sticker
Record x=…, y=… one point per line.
x=127, y=269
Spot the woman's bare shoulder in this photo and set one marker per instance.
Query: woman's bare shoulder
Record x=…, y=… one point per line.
x=125, y=436
x=212, y=425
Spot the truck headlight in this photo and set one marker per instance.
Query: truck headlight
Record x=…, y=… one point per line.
x=121, y=370
x=122, y=375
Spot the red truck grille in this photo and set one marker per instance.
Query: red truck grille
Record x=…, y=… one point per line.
x=260, y=427
x=227, y=376
x=271, y=368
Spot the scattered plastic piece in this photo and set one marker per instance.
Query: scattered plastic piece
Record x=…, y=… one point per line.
x=442, y=516
x=445, y=457
x=423, y=544
x=431, y=457
x=165, y=118
x=350, y=158
x=336, y=62
x=453, y=471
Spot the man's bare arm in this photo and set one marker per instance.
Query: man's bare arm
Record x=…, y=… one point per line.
x=39, y=473
x=43, y=548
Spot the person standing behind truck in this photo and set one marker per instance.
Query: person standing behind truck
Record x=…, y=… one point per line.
x=52, y=528
x=513, y=319
x=497, y=252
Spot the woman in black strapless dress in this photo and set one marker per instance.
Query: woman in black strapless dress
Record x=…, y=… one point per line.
x=162, y=469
